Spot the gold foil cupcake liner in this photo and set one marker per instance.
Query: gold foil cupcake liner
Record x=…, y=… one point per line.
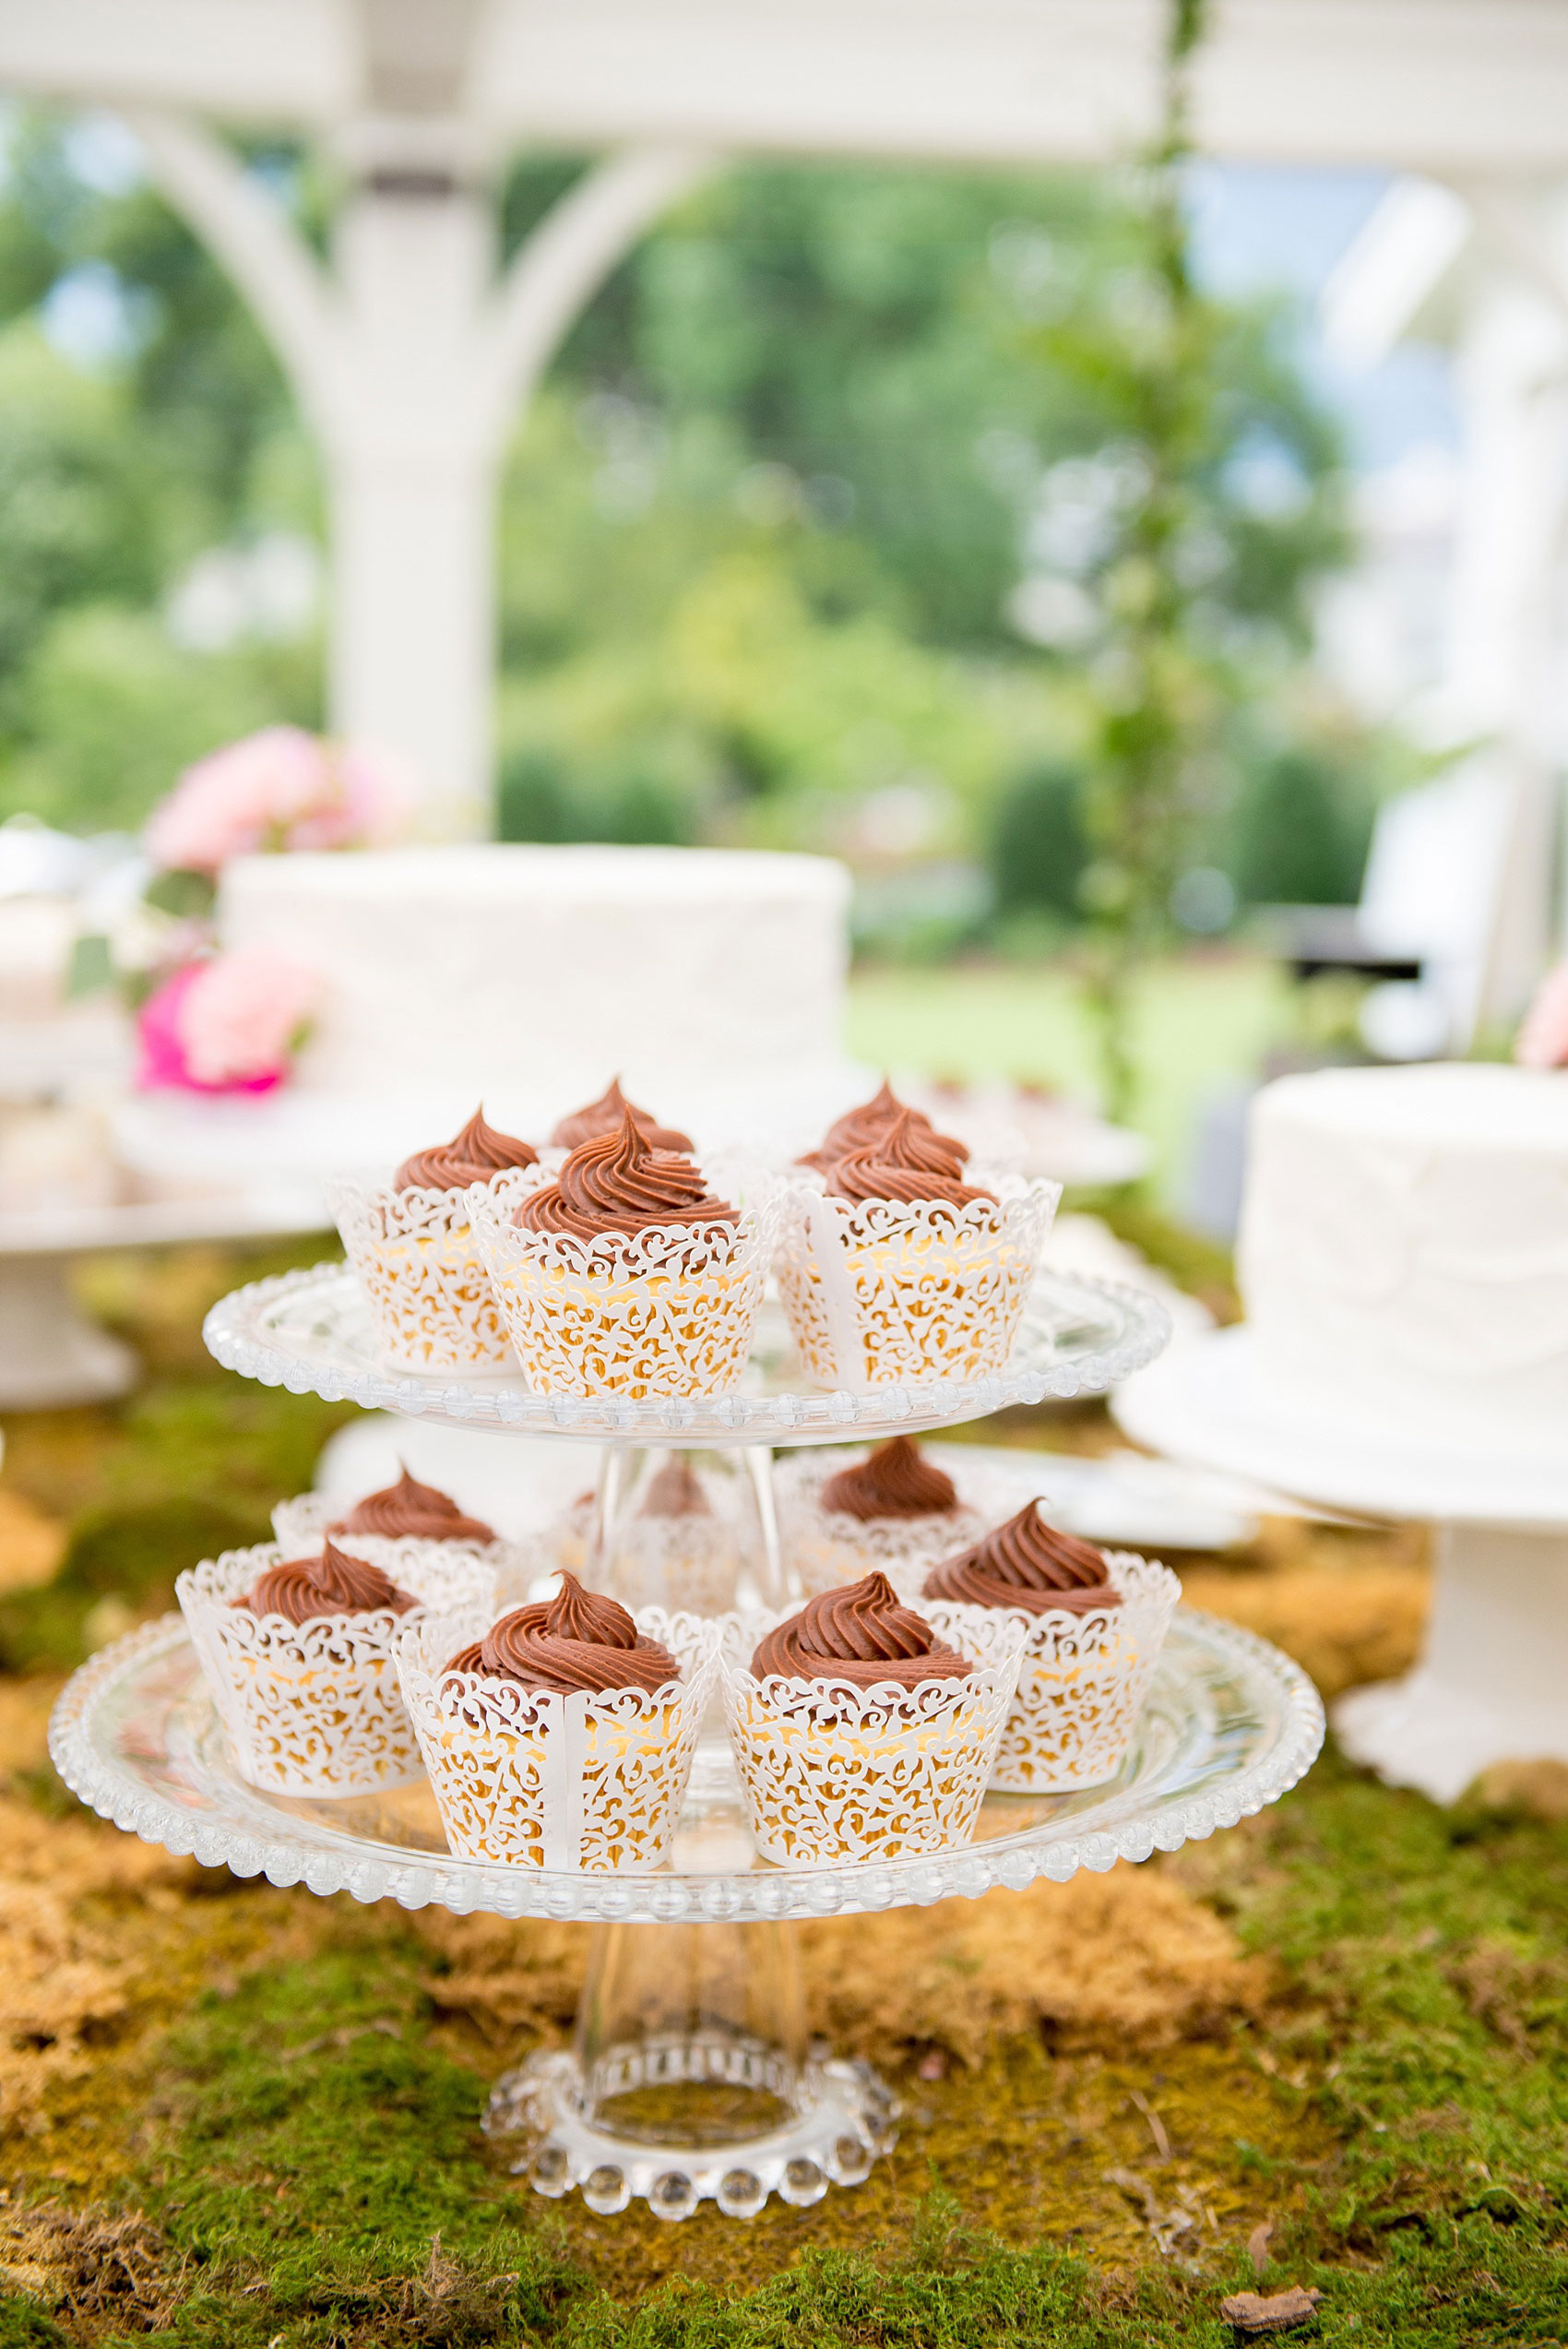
x=892, y=1293
x=526, y=1778
x=424, y=1276
x=667, y=1311
x=1082, y=1682
x=833, y=1774
x=314, y=1709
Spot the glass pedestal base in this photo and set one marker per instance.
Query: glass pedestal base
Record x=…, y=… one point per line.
x=690, y=2080
x=838, y=2116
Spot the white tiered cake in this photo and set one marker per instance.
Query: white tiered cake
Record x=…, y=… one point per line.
x=710, y=981
x=1403, y=1253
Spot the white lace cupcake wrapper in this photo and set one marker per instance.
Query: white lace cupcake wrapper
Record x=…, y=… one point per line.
x=686, y=1564
x=827, y=1548
x=424, y=1276
x=302, y=1521
x=532, y=1780
x=834, y=1774
x=896, y=1292
x=668, y=1311
x=1082, y=1684
x=314, y=1709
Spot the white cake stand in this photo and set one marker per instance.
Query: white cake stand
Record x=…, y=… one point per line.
x=51, y=1353
x=1492, y=1684
x=691, y=2076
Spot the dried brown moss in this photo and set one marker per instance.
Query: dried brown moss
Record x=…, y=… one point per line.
x=1126, y=1959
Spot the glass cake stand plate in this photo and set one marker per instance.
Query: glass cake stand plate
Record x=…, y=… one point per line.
x=1230, y=1725
x=311, y=1332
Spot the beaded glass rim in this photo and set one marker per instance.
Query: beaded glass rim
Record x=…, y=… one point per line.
x=1230, y=1725
x=311, y=1332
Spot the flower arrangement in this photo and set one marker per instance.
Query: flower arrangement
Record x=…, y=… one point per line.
x=277, y=790
x=1542, y=1040
x=229, y=1023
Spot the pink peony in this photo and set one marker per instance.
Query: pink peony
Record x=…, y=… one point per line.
x=1542, y=1040
x=230, y=1024
x=278, y=789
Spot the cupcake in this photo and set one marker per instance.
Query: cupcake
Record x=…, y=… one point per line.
x=625, y=1275
x=1093, y=1623
x=868, y=1123
x=891, y=1508
x=298, y=1654
x=562, y=1737
x=604, y=1117
x=676, y=1550
x=406, y=1512
x=412, y=1245
x=863, y=1731
x=893, y=1267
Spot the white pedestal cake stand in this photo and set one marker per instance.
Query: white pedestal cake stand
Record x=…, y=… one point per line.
x=691, y=2076
x=1492, y=1684
x=51, y=1353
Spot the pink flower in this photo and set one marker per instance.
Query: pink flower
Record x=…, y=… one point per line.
x=278, y=789
x=1542, y=1040
x=230, y=1024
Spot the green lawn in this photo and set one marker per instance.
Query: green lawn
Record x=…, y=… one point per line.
x=1202, y=1022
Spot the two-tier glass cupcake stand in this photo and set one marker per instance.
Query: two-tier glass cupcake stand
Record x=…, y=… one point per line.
x=691, y=2075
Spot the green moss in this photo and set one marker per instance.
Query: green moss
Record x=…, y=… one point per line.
x=304, y=2141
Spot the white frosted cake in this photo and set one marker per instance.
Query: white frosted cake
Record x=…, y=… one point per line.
x=711, y=981
x=1404, y=1252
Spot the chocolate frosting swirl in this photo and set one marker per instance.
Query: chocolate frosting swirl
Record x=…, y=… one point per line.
x=578, y=1641
x=860, y=1634
x=905, y=1163
x=675, y=1492
x=618, y=1182
x=472, y=1156
x=868, y=1123
x=897, y=1480
x=1026, y=1563
x=302, y=1589
x=604, y=1115
x=410, y=1509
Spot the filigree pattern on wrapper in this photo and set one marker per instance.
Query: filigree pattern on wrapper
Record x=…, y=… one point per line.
x=529, y=1779
x=833, y=1773
x=827, y=1548
x=314, y=1708
x=299, y=1522
x=668, y=1311
x=687, y=1564
x=423, y=1275
x=894, y=1291
x=1082, y=1684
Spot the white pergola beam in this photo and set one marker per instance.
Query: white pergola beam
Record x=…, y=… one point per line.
x=1447, y=87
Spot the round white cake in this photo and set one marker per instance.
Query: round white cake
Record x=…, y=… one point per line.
x=1403, y=1254
x=711, y=981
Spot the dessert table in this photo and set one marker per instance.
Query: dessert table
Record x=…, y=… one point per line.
x=691, y=2076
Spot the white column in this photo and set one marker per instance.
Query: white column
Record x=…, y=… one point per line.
x=1506, y=638
x=412, y=471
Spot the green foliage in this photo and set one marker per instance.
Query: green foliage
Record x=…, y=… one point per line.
x=76, y=514
x=110, y=484
x=1039, y=852
x=108, y=711
x=23, y=2325
x=1301, y=830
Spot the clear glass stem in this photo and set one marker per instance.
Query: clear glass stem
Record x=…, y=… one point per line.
x=759, y=1467
x=691, y=2034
